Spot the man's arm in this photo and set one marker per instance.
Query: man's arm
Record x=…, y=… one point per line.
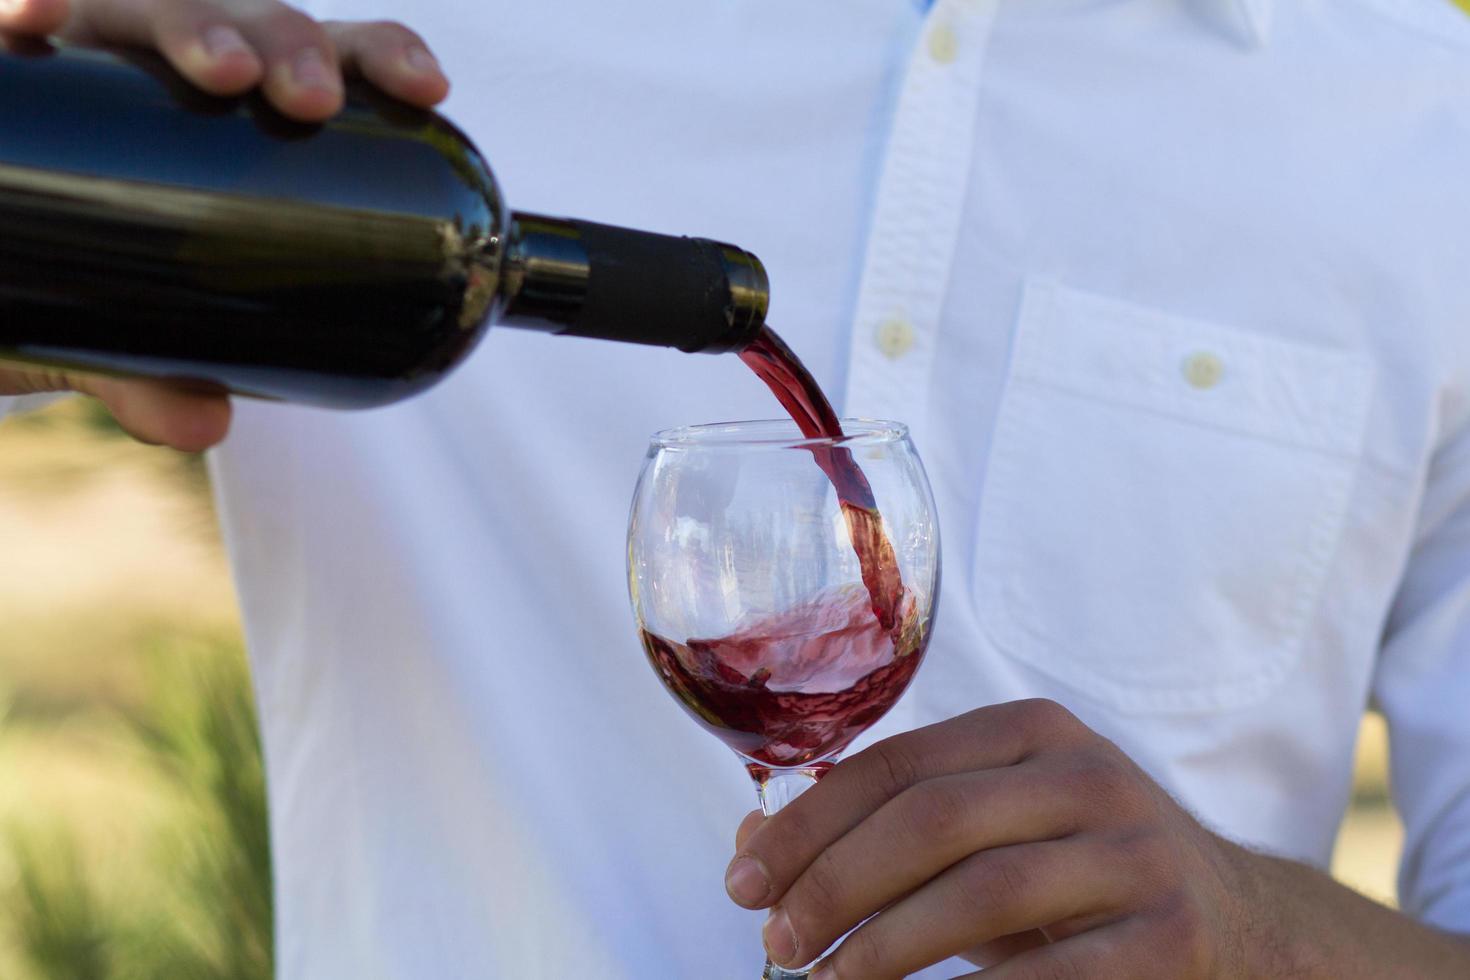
x=1422, y=685
x=1016, y=836
x=1298, y=922
x=225, y=47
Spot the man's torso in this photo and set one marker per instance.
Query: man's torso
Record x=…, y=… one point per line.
x=1168, y=309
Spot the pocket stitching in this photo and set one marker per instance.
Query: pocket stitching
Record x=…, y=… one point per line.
x=1012, y=631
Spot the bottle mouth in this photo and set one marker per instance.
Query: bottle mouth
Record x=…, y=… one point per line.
x=750, y=300
x=584, y=279
x=761, y=434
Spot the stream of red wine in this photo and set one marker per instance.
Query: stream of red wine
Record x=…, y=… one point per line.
x=801, y=396
x=798, y=686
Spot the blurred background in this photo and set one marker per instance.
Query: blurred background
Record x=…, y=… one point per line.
x=132, y=810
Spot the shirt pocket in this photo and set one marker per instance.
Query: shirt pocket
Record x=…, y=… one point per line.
x=1163, y=501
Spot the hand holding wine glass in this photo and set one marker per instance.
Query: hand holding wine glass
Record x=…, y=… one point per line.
x=1013, y=835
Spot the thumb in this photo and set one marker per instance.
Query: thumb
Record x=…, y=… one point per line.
x=748, y=826
x=161, y=414
x=35, y=18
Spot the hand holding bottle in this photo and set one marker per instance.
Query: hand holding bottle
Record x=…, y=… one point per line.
x=225, y=47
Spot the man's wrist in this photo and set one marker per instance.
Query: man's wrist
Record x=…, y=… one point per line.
x=1264, y=935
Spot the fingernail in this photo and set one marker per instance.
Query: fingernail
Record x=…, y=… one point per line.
x=421, y=62
x=779, y=939
x=747, y=883
x=310, y=71
x=221, y=40
x=824, y=972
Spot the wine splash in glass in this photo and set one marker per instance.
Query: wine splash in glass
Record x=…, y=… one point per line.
x=775, y=603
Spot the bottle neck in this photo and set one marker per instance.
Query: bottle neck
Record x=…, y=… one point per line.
x=590, y=280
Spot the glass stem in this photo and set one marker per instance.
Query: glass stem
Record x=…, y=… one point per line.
x=777, y=788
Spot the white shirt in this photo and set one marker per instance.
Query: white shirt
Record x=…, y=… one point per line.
x=1173, y=294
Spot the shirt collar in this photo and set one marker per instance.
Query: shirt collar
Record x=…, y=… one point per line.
x=1248, y=20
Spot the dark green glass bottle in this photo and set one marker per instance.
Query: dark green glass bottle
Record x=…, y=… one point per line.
x=148, y=229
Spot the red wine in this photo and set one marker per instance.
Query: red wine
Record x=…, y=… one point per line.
x=801, y=396
x=797, y=687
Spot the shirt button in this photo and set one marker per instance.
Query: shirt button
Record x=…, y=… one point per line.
x=944, y=46
x=895, y=338
x=1203, y=370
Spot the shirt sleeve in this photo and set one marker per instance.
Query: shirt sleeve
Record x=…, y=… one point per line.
x=1422, y=686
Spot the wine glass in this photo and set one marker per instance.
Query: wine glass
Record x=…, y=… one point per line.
x=774, y=602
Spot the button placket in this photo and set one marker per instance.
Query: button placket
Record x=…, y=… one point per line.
x=916, y=218
x=914, y=228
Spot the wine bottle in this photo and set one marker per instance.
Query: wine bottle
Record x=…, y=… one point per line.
x=148, y=229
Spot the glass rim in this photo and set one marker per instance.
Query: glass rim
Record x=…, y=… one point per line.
x=755, y=434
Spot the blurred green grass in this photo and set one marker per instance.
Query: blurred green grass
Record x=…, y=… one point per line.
x=133, y=840
x=133, y=837
x=197, y=903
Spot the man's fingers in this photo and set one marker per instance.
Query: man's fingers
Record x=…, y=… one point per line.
x=33, y=18
x=228, y=48
x=919, y=833
x=151, y=411
x=989, y=738
x=748, y=826
x=1004, y=947
x=302, y=76
x=160, y=414
x=746, y=879
x=199, y=39
x=206, y=47
x=1120, y=951
x=988, y=895
x=393, y=58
